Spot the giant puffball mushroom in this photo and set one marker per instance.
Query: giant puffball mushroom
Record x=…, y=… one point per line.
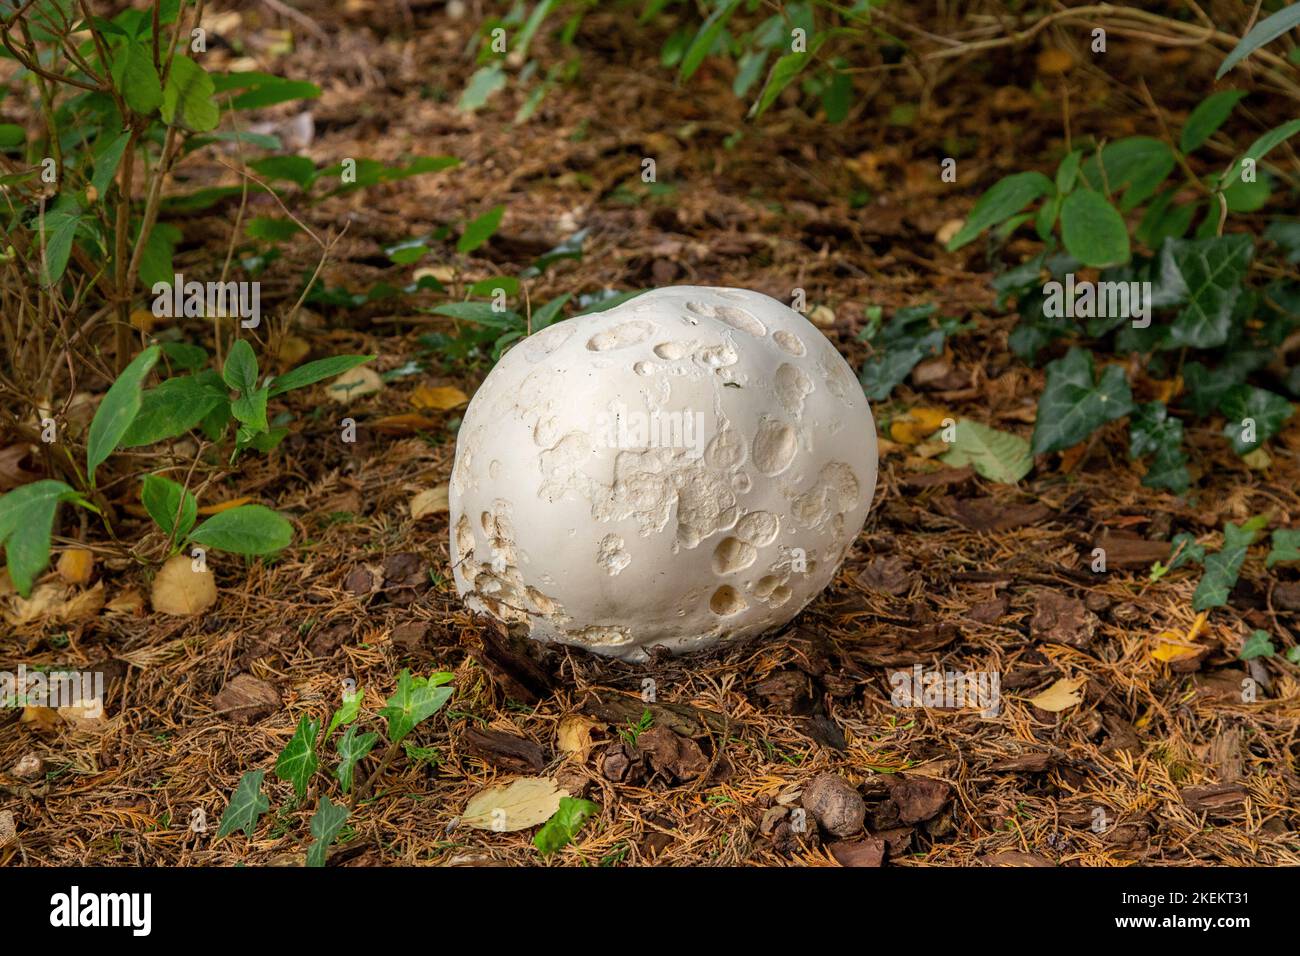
x=686, y=468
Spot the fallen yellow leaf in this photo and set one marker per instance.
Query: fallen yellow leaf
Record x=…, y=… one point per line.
x=1169, y=648
x=181, y=591
x=355, y=383
x=1173, y=646
x=1060, y=696
x=574, y=734
x=917, y=424
x=431, y=501
x=525, y=802
x=76, y=565
x=440, y=397
x=1168, y=389
x=1054, y=62
x=293, y=350
x=143, y=320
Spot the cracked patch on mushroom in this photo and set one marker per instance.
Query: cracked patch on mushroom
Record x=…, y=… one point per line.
x=772, y=590
x=839, y=377
x=620, y=336
x=619, y=544
x=672, y=351
x=789, y=343
x=726, y=601
x=775, y=445
x=741, y=320
x=759, y=528
x=833, y=493
x=792, y=387
x=611, y=555
x=599, y=636
x=732, y=555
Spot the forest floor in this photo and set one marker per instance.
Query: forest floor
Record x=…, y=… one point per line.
x=1157, y=763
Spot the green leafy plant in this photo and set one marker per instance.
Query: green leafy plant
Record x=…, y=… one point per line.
x=131, y=416
x=911, y=335
x=997, y=455
x=632, y=731
x=299, y=764
x=802, y=45
x=124, y=101
x=559, y=831
x=1213, y=299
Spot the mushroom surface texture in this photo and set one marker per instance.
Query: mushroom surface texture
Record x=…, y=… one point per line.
x=686, y=468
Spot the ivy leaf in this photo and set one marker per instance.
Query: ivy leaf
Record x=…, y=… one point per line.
x=1246, y=404
x=248, y=529
x=1207, y=388
x=117, y=410
x=26, y=523
x=1073, y=405
x=1213, y=270
x=998, y=456
x=1153, y=432
x=246, y=805
x=352, y=748
x=187, y=98
x=1259, y=644
x=165, y=500
x=415, y=700
x=1003, y=200
x=1286, y=547
x=346, y=714
x=559, y=831
x=1186, y=551
x=135, y=77
x=298, y=761
x=1223, y=567
x=326, y=823
x=1208, y=116
x=906, y=340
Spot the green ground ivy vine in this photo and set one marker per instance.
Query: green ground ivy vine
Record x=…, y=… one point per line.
x=415, y=700
x=1177, y=294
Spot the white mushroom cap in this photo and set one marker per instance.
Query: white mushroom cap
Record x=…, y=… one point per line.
x=688, y=467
